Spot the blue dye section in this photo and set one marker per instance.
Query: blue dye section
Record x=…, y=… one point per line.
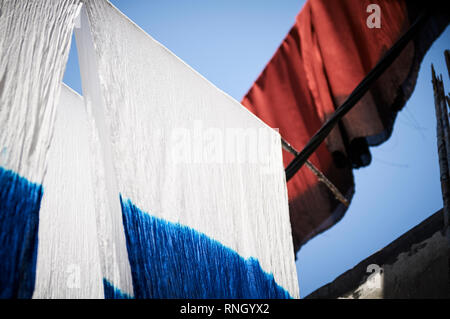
x=20, y=201
x=169, y=260
x=112, y=292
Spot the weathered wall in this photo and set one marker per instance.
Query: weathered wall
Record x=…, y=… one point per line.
x=415, y=265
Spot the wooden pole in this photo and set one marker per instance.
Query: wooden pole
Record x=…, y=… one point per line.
x=443, y=143
x=447, y=60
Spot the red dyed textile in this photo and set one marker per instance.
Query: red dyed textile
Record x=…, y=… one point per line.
x=326, y=54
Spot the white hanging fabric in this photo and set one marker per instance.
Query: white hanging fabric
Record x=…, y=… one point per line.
x=68, y=262
x=34, y=45
x=200, y=179
x=155, y=184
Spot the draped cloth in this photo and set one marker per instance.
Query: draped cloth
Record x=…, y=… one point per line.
x=193, y=180
x=34, y=46
x=153, y=184
x=68, y=264
x=323, y=58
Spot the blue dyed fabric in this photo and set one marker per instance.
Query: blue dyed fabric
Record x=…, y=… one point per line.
x=19, y=220
x=169, y=260
x=112, y=292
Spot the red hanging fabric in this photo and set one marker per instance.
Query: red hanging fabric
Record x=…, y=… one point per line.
x=328, y=51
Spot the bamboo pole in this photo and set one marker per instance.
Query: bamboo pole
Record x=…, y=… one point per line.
x=447, y=61
x=442, y=133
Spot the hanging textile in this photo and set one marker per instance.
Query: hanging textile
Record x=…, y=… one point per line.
x=189, y=186
x=68, y=261
x=34, y=45
x=154, y=184
x=328, y=51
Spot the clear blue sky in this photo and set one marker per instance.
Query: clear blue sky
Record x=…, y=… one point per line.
x=230, y=42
